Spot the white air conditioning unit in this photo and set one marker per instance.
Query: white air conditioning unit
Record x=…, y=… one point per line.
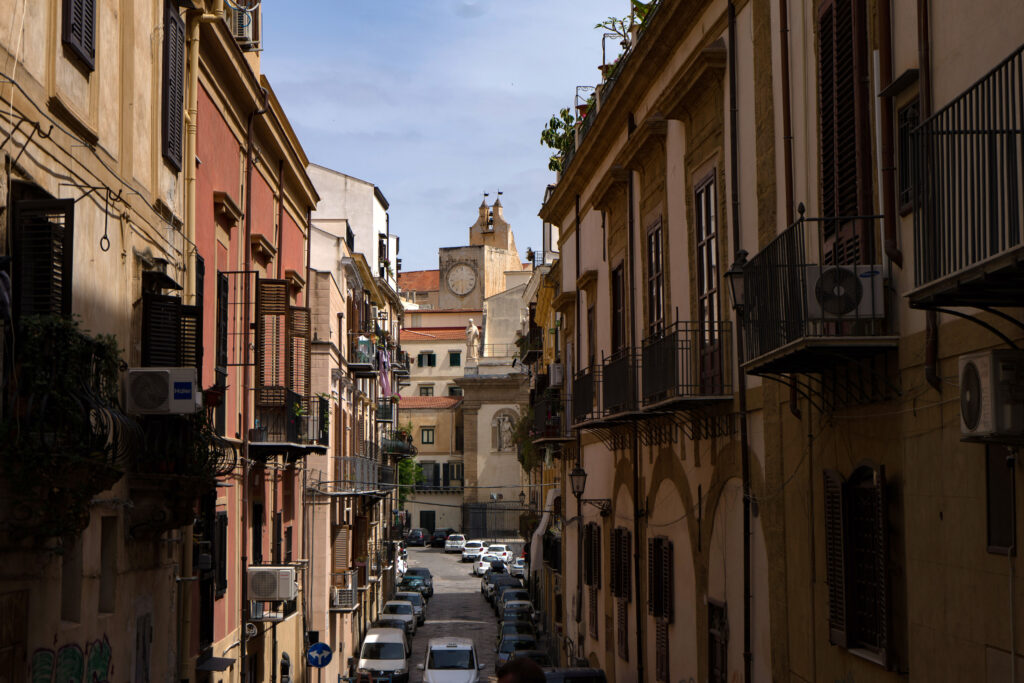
x=555, y=374
x=992, y=395
x=845, y=292
x=162, y=391
x=268, y=584
x=245, y=26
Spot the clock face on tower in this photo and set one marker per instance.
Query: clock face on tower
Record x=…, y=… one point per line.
x=461, y=279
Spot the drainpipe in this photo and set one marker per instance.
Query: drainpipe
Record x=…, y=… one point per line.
x=579, y=443
x=638, y=511
x=888, y=156
x=931, y=351
x=246, y=318
x=191, y=119
x=741, y=379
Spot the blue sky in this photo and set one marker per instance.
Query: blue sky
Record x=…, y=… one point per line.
x=434, y=101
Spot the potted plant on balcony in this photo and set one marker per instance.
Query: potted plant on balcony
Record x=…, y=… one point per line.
x=559, y=135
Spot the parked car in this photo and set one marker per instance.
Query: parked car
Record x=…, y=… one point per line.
x=390, y=621
x=416, y=537
x=539, y=657
x=451, y=660
x=501, y=552
x=414, y=583
x=500, y=590
x=427, y=577
x=483, y=565
x=517, y=609
x=490, y=582
x=574, y=675
x=509, y=645
x=402, y=609
x=472, y=550
x=439, y=537
x=520, y=627
x=419, y=604
x=383, y=655
x=511, y=594
x=454, y=543
x=518, y=568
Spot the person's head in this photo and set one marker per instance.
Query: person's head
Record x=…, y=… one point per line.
x=521, y=670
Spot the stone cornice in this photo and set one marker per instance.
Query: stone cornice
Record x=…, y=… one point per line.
x=704, y=70
x=648, y=136
x=614, y=178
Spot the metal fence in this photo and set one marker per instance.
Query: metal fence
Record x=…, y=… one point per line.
x=491, y=520
x=688, y=360
x=583, y=386
x=618, y=383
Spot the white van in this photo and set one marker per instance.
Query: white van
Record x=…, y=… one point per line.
x=383, y=655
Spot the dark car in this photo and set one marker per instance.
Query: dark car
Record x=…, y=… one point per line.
x=491, y=581
x=539, y=657
x=499, y=594
x=416, y=537
x=427, y=577
x=415, y=583
x=575, y=676
x=509, y=646
x=437, y=540
x=520, y=628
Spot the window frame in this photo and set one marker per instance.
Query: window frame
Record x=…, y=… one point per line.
x=425, y=390
x=907, y=118
x=618, y=305
x=655, y=290
x=709, y=280
x=424, y=431
x=173, y=89
x=82, y=46
x=455, y=359
x=996, y=458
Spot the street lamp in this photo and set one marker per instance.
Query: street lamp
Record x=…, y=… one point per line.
x=578, y=483
x=522, y=499
x=734, y=276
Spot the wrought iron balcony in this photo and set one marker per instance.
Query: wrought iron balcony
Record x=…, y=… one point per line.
x=354, y=475
x=386, y=475
x=398, y=443
x=290, y=424
x=690, y=363
x=550, y=421
x=362, y=355
x=531, y=346
x=344, y=591
x=807, y=310
x=584, y=394
x=386, y=411
x=618, y=382
x=967, y=189
x=437, y=486
x=400, y=362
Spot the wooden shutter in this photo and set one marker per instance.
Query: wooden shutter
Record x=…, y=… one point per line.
x=661, y=657
x=586, y=559
x=625, y=554
x=616, y=581
x=222, y=322
x=190, y=340
x=622, y=628
x=298, y=350
x=845, y=139
x=78, y=30
x=667, y=581
x=221, y=545
x=43, y=256
x=881, y=578
x=595, y=548
x=653, y=555
x=835, y=557
x=339, y=555
x=173, y=85
x=161, y=330
x=271, y=319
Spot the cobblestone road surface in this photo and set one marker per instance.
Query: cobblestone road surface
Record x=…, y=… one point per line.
x=457, y=609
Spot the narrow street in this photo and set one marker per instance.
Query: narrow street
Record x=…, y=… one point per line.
x=457, y=609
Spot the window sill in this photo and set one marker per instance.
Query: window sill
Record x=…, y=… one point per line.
x=870, y=656
x=75, y=121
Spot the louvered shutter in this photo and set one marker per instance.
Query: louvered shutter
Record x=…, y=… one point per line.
x=222, y=321
x=161, y=330
x=43, y=257
x=653, y=602
x=625, y=554
x=595, y=547
x=667, y=581
x=446, y=475
x=221, y=543
x=881, y=537
x=614, y=550
x=585, y=558
x=271, y=341
x=339, y=556
x=298, y=350
x=190, y=343
x=173, y=85
x=835, y=557
x=78, y=30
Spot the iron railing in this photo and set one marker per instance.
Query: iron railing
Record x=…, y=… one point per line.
x=354, y=474
x=689, y=360
x=397, y=443
x=362, y=353
x=298, y=420
x=549, y=416
x=386, y=475
x=968, y=179
x=531, y=345
x=344, y=590
x=798, y=288
x=618, y=382
x=386, y=411
x=500, y=350
x=584, y=386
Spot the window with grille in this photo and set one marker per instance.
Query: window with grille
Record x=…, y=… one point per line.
x=856, y=552
x=171, y=332
x=659, y=598
x=1000, y=494
x=426, y=359
x=906, y=120
x=78, y=30
x=454, y=391
x=845, y=136
x=709, y=304
x=173, y=85
x=655, y=281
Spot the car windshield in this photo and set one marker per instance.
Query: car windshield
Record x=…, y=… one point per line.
x=539, y=657
x=414, y=598
x=418, y=571
x=455, y=537
x=470, y=545
x=395, y=608
x=451, y=659
x=512, y=645
x=496, y=549
x=383, y=651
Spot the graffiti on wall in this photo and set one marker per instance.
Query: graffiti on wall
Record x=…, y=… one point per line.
x=70, y=664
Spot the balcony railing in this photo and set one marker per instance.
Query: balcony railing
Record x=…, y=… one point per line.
x=531, y=346
x=618, y=382
x=805, y=309
x=386, y=475
x=362, y=355
x=689, y=362
x=386, y=411
x=968, y=187
x=437, y=486
x=344, y=591
x=354, y=475
x=397, y=443
x=549, y=417
x=584, y=385
x=284, y=417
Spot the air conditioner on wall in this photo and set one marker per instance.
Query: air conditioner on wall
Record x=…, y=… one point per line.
x=271, y=583
x=555, y=375
x=841, y=292
x=992, y=395
x=162, y=391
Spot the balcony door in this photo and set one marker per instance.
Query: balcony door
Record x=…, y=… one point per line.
x=709, y=305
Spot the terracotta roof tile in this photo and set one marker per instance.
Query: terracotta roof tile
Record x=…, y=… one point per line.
x=432, y=334
x=419, y=281
x=413, y=402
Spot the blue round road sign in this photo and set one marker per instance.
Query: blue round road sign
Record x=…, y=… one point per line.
x=319, y=655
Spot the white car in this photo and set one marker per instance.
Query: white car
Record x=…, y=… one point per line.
x=484, y=563
x=502, y=551
x=402, y=609
x=383, y=655
x=454, y=543
x=518, y=568
x=451, y=660
x=472, y=550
